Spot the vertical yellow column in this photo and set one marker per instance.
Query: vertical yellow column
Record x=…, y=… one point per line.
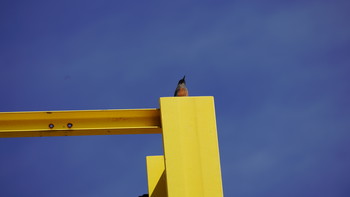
x=191, y=149
x=156, y=176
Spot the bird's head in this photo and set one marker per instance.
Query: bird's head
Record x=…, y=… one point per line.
x=182, y=81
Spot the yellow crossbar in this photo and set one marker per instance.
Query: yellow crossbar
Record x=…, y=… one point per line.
x=84, y=122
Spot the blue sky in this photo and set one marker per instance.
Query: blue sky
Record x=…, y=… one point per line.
x=278, y=71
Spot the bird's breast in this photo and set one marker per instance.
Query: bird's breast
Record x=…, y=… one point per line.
x=182, y=92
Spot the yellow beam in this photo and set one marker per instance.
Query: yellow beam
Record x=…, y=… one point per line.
x=191, y=147
x=74, y=123
x=156, y=176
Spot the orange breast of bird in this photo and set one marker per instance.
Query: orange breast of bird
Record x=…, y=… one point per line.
x=182, y=92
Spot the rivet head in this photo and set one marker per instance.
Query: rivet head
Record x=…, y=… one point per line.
x=69, y=125
x=51, y=125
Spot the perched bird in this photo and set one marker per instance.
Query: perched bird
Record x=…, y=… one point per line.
x=181, y=89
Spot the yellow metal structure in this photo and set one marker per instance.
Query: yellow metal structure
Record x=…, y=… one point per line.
x=191, y=147
x=156, y=176
x=190, y=166
x=74, y=123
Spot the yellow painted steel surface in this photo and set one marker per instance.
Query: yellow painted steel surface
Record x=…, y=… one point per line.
x=191, y=147
x=190, y=166
x=156, y=176
x=85, y=122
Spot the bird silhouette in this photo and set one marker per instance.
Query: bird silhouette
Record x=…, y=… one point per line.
x=181, y=89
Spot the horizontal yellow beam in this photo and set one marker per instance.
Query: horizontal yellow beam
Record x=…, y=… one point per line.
x=75, y=123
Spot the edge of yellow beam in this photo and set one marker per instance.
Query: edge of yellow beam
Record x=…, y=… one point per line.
x=156, y=176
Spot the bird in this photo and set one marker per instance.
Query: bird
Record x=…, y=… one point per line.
x=181, y=89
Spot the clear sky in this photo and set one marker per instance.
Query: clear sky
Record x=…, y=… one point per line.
x=279, y=72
